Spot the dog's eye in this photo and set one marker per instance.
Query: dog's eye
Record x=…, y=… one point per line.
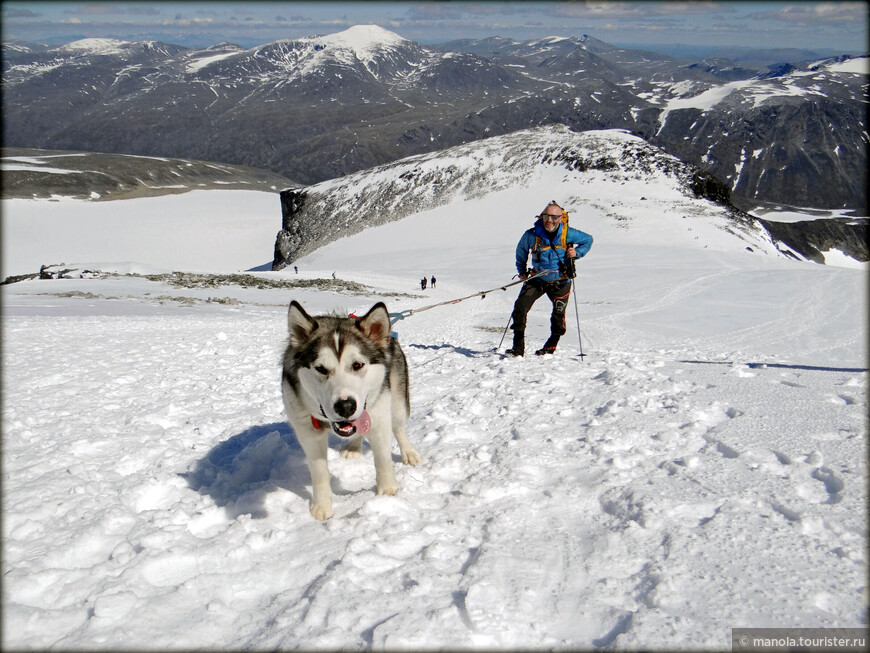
x=321, y=370
x=358, y=366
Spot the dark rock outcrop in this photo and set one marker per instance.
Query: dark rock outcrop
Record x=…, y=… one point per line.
x=810, y=238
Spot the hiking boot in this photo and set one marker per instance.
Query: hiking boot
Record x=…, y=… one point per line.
x=549, y=346
x=519, y=346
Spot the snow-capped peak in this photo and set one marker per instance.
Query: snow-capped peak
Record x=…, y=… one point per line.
x=549, y=41
x=363, y=38
x=94, y=46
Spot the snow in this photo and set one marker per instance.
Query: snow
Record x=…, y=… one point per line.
x=799, y=215
x=703, y=468
x=198, y=64
x=363, y=39
x=40, y=160
x=704, y=101
x=755, y=90
x=358, y=44
x=25, y=167
x=171, y=230
x=839, y=258
x=92, y=46
x=858, y=65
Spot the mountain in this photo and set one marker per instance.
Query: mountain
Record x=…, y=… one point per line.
x=28, y=173
x=321, y=107
x=611, y=172
x=790, y=138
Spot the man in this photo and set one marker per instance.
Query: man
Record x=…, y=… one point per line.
x=550, y=242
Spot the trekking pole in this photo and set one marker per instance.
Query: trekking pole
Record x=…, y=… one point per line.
x=504, y=333
x=577, y=315
x=571, y=271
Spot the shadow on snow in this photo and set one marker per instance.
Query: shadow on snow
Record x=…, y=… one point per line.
x=464, y=351
x=812, y=368
x=240, y=472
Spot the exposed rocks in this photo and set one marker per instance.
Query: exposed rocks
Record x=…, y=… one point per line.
x=810, y=238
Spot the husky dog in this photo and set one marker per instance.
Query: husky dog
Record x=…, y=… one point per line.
x=348, y=376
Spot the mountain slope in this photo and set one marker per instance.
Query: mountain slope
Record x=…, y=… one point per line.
x=783, y=132
x=28, y=173
x=703, y=468
x=322, y=107
x=611, y=171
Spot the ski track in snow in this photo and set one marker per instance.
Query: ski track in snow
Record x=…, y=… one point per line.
x=154, y=494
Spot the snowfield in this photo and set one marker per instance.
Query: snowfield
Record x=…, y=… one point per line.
x=703, y=468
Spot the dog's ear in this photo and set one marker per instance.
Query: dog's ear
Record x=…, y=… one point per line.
x=376, y=325
x=300, y=324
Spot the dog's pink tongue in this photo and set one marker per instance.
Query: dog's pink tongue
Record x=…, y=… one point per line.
x=362, y=423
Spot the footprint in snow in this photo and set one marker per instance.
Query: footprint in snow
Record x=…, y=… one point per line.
x=834, y=485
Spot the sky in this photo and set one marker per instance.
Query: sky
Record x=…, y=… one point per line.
x=840, y=26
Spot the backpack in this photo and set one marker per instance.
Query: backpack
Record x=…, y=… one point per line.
x=562, y=244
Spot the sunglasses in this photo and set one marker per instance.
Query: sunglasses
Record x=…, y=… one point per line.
x=550, y=216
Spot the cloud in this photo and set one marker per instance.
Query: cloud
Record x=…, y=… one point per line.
x=143, y=11
x=681, y=7
x=445, y=11
x=292, y=19
x=626, y=10
x=10, y=12
x=182, y=21
x=434, y=11
x=96, y=10
x=822, y=12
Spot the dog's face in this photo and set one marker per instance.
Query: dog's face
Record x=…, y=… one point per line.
x=339, y=364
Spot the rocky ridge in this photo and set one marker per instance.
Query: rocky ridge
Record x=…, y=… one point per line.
x=315, y=215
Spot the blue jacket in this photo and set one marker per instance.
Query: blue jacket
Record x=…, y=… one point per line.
x=549, y=259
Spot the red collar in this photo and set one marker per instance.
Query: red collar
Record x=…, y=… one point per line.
x=316, y=423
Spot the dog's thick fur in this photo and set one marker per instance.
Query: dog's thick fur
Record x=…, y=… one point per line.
x=351, y=376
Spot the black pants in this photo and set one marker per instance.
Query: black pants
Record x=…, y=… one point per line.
x=557, y=291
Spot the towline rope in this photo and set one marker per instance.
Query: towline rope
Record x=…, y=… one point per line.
x=395, y=317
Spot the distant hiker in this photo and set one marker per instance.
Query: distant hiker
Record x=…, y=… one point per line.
x=550, y=242
x=333, y=275
x=432, y=281
x=423, y=283
x=296, y=269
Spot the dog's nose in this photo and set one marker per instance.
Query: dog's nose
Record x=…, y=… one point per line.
x=345, y=407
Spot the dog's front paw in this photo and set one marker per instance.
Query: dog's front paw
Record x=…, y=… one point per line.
x=389, y=489
x=411, y=457
x=351, y=451
x=320, y=512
